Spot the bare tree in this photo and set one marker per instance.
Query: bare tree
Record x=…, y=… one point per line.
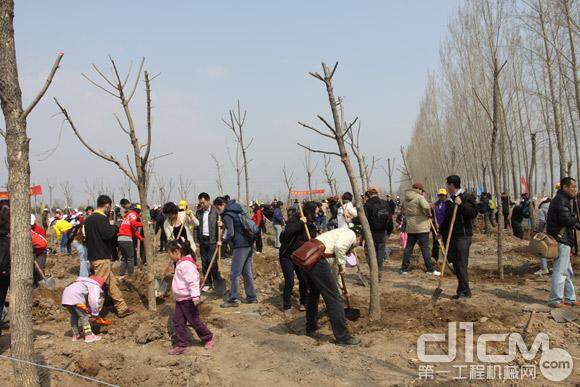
x=67, y=193
x=354, y=141
x=236, y=123
x=184, y=187
x=219, y=180
x=288, y=181
x=329, y=175
x=17, y=147
x=404, y=170
x=389, y=172
x=237, y=165
x=50, y=192
x=310, y=169
x=138, y=171
x=337, y=132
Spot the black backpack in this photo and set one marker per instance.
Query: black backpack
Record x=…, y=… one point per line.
x=380, y=216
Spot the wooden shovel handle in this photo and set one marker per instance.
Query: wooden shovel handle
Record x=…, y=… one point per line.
x=455, y=207
x=344, y=289
x=39, y=270
x=305, y=224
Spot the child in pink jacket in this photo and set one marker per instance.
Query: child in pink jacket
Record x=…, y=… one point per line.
x=186, y=292
x=84, y=298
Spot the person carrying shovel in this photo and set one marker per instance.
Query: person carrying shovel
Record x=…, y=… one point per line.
x=461, y=232
x=321, y=280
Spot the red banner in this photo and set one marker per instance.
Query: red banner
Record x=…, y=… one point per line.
x=307, y=192
x=33, y=191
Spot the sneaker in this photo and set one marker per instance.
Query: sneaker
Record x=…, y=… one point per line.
x=461, y=295
x=288, y=313
x=230, y=304
x=302, y=308
x=542, y=272
x=177, y=351
x=315, y=335
x=92, y=338
x=436, y=273
x=209, y=344
x=125, y=313
x=206, y=289
x=77, y=337
x=254, y=301
x=351, y=341
x=403, y=272
x=572, y=303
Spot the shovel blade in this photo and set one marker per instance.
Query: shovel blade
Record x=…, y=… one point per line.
x=220, y=287
x=436, y=295
x=352, y=314
x=48, y=283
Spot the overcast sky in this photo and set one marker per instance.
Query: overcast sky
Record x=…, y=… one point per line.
x=209, y=54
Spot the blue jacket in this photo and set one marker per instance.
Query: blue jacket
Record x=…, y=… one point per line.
x=233, y=225
x=278, y=218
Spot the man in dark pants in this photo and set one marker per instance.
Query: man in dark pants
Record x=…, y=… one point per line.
x=207, y=235
x=321, y=280
x=505, y=209
x=462, y=233
x=378, y=213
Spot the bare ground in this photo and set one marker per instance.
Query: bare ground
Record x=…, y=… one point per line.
x=256, y=346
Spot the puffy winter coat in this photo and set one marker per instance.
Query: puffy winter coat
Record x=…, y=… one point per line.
x=561, y=219
x=185, y=285
x=417, y=211
x=84, y=291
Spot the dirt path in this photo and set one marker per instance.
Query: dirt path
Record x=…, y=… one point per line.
x=256, y=346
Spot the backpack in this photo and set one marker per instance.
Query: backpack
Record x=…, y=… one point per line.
x=267, y=211
x=544, y=246
x=483, y=207
x=380, y=215
x=249, y=228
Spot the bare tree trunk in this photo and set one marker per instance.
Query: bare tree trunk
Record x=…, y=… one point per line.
x=338, y=134
x=555, y=110
x=219, y=180
x=141, y=172
x=236, y=124
x=17, y=149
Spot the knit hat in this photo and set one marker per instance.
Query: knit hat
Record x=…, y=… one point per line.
x=98, y=279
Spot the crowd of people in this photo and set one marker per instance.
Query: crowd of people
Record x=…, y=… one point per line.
x=193, y=236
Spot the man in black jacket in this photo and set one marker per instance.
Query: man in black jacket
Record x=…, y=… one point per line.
x=99, y=234
x=561, y=222
x=458, y=252
x=207, y=235
x=378, y=213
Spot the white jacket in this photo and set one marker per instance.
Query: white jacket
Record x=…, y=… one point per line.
x=338, y=242
x=351, y=213
x=182, y=218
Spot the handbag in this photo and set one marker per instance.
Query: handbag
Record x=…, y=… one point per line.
x=544, y=246
x=308, y=255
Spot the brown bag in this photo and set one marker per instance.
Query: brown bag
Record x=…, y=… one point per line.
x=308, y=255
x=544, y=246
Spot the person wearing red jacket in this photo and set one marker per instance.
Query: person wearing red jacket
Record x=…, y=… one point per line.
x=258, y=218
x=128, y=231
x=39, y=245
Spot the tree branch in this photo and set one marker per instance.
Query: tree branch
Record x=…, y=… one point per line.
x=483, y=105
x=99, y=86
x=316, y=130
x=136, y=80
x=109, y=158
x=318, y=150
x=39, y=96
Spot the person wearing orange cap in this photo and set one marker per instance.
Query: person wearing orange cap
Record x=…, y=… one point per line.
x=84, y=298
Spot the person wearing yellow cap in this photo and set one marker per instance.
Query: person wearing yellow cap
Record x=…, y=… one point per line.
x=439, y=211
x=183, y=205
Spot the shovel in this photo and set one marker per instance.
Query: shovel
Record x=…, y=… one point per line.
x=439, y=290
x=46, y=282
x=351, y=313
x=565, y=315
x=441, y=245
